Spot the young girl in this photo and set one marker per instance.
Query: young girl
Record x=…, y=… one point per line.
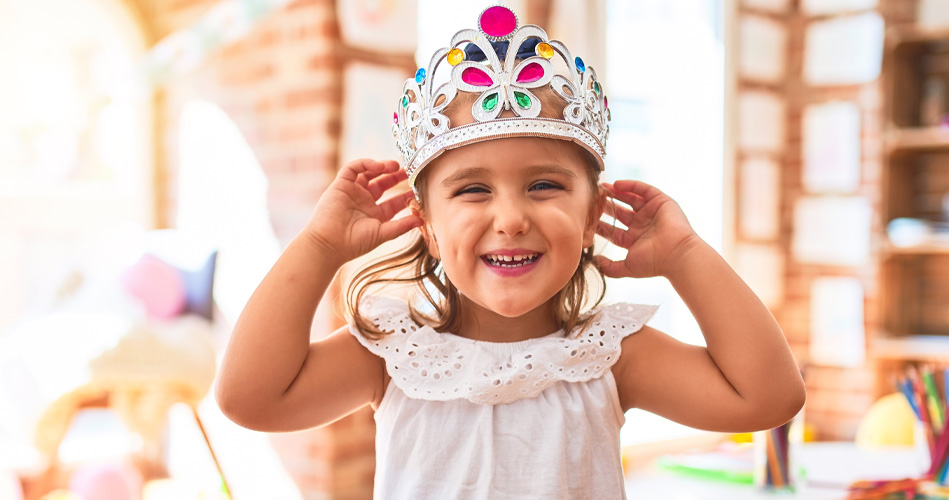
x=498, y=381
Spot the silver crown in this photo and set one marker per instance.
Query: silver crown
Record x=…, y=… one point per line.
x=422, y=131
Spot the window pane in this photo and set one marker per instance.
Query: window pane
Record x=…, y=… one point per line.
x=75, y=143
x=665, y=67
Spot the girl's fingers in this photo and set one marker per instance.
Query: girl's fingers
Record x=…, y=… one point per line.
x=394, y=205
x=383, y=183
x=630, y=198
x=367, y=167
x=610, y=268
x=615, y=235
x=394, y=228
x=365, y=178
x=639, y=188
x=619, y=212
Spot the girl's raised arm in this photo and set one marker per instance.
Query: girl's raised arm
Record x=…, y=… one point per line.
x=272, y=378
x=746, y=379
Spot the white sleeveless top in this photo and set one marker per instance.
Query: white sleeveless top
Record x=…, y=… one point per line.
x=465, y=419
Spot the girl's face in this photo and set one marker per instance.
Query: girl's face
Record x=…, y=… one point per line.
x=509, y=219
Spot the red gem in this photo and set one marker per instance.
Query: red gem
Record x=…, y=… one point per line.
x=606, y=103
x=395, y=118
x=475, y=76
x=498, y=21
x=531, y=73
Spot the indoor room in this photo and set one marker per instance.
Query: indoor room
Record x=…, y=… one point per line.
x=217, y=216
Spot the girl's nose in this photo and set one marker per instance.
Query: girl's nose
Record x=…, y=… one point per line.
x=511, y=217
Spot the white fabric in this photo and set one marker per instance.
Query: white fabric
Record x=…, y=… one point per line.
x=537, y=419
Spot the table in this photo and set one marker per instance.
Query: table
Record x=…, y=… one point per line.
x=830, y=466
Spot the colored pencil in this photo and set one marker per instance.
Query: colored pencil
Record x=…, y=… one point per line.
x=781, y=450
x=945, y=387
x=932, y=398
x=865, y=490
x=938, y=453
x=906, y=387
x=917, y=386
x=773, y=460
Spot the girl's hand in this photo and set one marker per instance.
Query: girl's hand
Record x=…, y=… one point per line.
x=658, y=232
x=349, y=220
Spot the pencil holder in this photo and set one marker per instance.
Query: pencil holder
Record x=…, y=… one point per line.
x=922, y=454
x=775, y=456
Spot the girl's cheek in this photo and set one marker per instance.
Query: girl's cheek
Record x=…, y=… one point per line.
x=465, y=211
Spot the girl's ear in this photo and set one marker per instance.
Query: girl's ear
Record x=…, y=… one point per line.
x=427, y=233
x=596, y=211
x=430, y=241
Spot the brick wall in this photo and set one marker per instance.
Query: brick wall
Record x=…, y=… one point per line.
x=837, y=397
x=281, y=87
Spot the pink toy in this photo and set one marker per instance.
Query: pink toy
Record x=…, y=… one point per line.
x=158, y=285
x=106, y=482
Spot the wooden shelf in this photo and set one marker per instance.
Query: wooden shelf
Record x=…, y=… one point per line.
x=907, y=35
x=913, y=280
x=911, y=348
x=917, y=139
x=922, y=249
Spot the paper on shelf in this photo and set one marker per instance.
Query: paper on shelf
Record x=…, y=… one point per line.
x=761, y=117
x=831, y=133
x=832, y=230
x=837, y=333
x=763, y=49
x=844, y=51
x=821, y=7
x=759, y=202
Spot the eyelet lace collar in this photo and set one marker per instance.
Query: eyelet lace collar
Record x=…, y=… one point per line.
x=426, y=364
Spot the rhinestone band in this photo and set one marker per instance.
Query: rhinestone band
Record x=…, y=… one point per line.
x=504, y=128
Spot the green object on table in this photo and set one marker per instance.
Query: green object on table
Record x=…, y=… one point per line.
x=728, y=471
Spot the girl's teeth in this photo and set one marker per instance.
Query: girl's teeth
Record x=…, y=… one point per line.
x=516, y=260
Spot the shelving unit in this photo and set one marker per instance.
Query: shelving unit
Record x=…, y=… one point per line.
x=911, y=348
x=917, y=139
x=914, y=321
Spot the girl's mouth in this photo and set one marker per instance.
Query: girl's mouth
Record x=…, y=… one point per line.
x=510, y=261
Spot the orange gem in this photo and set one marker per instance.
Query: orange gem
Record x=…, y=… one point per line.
x=544, y=50
x=455, y=56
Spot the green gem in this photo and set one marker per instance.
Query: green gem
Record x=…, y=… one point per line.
x=490, y=103
x=596, y=87
x=522, y=100
x=405, y=101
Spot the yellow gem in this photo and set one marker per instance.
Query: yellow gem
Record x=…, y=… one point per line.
x=455, y=56
x=544, y=50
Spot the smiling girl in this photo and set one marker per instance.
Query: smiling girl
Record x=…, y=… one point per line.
x=504, y=378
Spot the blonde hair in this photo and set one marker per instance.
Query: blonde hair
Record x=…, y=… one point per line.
x=416, y=266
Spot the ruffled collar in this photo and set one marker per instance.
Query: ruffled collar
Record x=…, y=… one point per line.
x=432, y=365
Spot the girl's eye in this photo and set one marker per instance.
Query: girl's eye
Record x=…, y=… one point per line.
x=544, y=186
x=470, y=190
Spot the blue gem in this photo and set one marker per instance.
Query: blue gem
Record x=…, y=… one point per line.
x=420, y=76
x=580, y=66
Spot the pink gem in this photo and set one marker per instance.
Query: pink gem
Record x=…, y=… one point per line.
x=395, y=118
x=498, y=21
x=606, y=103
x=531, y=73
x=475, y=76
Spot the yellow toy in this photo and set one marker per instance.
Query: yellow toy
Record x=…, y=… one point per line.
x=889, y=422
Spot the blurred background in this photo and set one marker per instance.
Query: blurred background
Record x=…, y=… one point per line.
x=156, y=156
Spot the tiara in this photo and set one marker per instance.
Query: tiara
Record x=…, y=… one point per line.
x=422, y=131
